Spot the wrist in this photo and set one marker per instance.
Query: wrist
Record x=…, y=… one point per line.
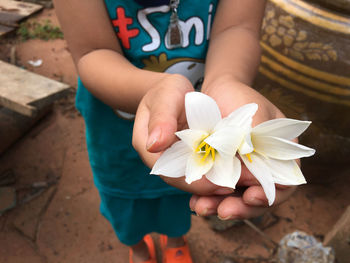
x=223, y=83
x=179, y=82
x=230, y=94
x=173, y=86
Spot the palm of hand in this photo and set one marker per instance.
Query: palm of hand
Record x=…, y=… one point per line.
x=249, y=199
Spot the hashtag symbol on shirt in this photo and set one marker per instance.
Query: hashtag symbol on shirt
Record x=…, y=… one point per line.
x=122, y=22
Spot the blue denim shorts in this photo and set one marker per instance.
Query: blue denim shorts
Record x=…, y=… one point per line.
x=132, y=219
x=134, y=202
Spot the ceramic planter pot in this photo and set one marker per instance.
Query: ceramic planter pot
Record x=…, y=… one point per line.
x=340, y=6
x=305, y=71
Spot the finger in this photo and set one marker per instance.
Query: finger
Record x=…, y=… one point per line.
x=140, y=129
x=140, y=133
x=205, y=205
x=193, y=201
x=255, y=195
x=234, y=208
x=166, y=114
x=199, y=187
x=163, y=124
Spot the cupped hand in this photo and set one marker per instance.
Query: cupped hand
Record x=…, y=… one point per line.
x=160, y=114
x=248, y=200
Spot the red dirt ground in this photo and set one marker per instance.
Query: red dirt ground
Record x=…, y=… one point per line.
x=62, y=224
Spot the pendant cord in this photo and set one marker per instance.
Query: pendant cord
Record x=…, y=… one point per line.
x=174, y=35
x=174, y=4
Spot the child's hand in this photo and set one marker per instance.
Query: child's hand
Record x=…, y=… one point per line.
x=251, y=201
x=247, y=201
x=160, y=114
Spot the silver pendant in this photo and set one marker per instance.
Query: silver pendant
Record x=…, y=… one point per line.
x=174, y=34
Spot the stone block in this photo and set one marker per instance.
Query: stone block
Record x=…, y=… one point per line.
x=299, y=247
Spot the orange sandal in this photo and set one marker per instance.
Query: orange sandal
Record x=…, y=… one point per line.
x=151, y=250
x=176, y=254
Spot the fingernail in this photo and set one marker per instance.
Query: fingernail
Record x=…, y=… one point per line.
x=153, y=138
x=207, y=212
x=256, y=202
x=225, y=218
x=204, y=212
x=193, y=202
x=211, y=212
x=223, y=191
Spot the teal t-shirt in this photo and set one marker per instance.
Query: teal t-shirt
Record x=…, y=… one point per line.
x=142, y=33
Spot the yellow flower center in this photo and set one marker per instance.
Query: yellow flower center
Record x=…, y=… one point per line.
x=206, y=150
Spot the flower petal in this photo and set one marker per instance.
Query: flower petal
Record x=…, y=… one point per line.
x=226, y=140
x=283, y=128
x=285, y=172
x=247, y=145
x=262, y=173
x=280, y=149
x=202, y=112
x=172, y=162
x=225, y=172
x=192, y=138
x=196, y=168
x=241, y=117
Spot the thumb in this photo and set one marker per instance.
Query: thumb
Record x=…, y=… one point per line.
x=163, y=123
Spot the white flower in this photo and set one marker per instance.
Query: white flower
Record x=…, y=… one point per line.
x=269, y=153
x=210, y=144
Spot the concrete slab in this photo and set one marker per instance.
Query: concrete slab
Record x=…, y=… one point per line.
x=26, y=92
x=14, y=125
x=12, y=12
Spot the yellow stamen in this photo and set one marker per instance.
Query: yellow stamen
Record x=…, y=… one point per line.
x=213, y=153
x=249, y=157
x=207, y=152
x=205, y=148
x=200, y=146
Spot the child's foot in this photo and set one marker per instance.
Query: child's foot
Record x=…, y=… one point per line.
x=175, y=250
x=143, y=252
